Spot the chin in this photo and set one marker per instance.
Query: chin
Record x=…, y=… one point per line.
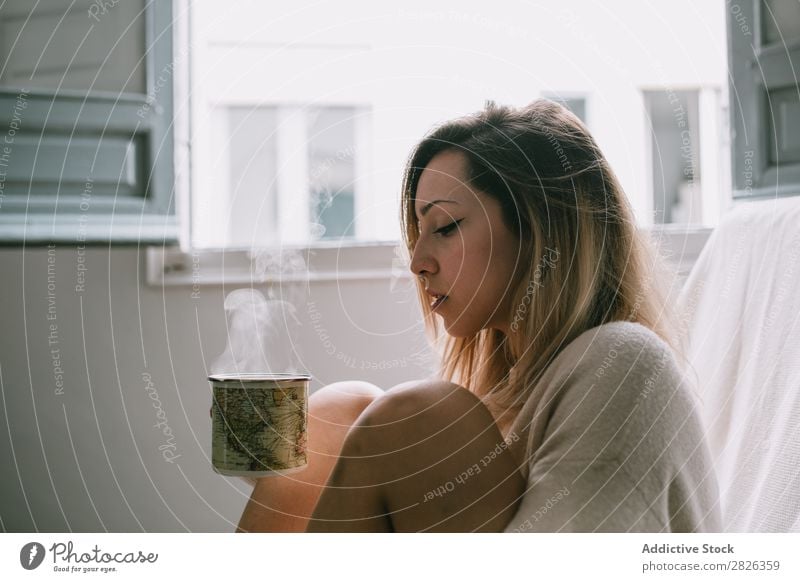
x=459, y=333
x=466, y=329
x=462, y=329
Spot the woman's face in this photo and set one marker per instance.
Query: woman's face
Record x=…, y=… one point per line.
x=464, y=251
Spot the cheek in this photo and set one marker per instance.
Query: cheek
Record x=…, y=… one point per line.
x=455, y=259
x=478, y=276
x=480, y=265
x=507, y=252
x=502, y=261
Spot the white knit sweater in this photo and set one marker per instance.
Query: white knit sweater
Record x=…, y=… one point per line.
x=614, y=442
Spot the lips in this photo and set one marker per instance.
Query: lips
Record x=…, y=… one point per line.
x=436, y=298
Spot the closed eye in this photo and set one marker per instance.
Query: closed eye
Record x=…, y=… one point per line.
x=447, y=230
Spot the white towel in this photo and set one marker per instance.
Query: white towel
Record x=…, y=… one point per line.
x=741, y=331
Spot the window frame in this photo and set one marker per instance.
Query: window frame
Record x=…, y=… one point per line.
x=334, y=261
x=149, y=215
x=756, y=69
x=292, y=177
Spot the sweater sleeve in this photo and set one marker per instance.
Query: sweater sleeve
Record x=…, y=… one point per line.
x=620, y=445
x=581, y=496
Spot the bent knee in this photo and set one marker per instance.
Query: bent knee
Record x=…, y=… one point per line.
x=428, y=404
x=348, y=390
x=431, y=394
x=342, y=401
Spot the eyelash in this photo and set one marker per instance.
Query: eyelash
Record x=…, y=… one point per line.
x=446, y=230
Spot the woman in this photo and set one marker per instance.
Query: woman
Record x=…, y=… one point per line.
x=560, y=404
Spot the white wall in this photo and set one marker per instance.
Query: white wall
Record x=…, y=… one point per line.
x=89, y=459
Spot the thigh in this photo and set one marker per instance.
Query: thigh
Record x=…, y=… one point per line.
x=284, y=503
x=436, y=457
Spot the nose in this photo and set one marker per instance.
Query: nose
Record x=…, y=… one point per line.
x=422, y=263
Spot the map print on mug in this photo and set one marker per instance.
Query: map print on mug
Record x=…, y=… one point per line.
x=259, y=425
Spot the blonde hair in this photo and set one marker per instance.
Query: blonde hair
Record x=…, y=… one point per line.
x=583, y=261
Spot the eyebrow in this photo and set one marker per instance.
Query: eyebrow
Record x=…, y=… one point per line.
x=427, y=207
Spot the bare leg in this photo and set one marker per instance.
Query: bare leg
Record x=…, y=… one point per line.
x=422, y=457
x=285, y=503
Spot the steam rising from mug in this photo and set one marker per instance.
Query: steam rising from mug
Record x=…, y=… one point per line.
x=262, y=331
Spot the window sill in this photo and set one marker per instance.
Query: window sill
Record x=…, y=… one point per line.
x=337, y=262
x=89, y=229
x=321, y=263
x=680, y=245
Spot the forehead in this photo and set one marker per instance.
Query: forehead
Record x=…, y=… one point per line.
x=444, y=178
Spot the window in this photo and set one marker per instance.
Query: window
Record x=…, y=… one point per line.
x=676, y=177
x=303, y=117
x=86, y=122
x=685, y=138
x=282, y=175
x=332, y=171
x=765, y=112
